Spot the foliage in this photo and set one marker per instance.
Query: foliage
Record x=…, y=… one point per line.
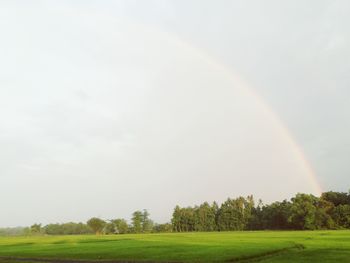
x=141, y=223
x=274, y=216
x=96, y=224
x=35, y=229
x=162, y=228
x=302, y=212
x=337, y=198
x=70, y=228
x=15, y=231
x=116, y=226
x=341, y=216
x=121, y=226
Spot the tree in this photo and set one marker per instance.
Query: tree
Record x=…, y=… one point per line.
x=336, y=198
x=205, y=218
x=183, y=219
x=323, y=218
x=187, y=219
x=276, y=216
x=35, y=229
x=303, y=211
x=70, y=228
x=141, y=223
x=136, y=221
x=341, y=215
x=310, y=212
x=96, y=224
x=249, y=205
x=121, y=226
x=14, y=231
x=234, y=214
x=147, y=223
x=53, y=229
x=176, y=219
x=162, y=228
x=109, y=228
x=255, y=221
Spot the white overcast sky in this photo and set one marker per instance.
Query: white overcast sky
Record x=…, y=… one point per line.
x=112, y=106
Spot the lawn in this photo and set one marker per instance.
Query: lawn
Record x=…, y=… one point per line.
x=259, y=246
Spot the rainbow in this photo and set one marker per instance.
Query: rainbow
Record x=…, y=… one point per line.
x=235, y=79
x=282, y=129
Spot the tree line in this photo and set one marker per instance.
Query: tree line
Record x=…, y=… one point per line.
x=140, y=223
x=302, y=212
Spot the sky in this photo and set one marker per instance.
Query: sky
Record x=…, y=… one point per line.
x=108, y=107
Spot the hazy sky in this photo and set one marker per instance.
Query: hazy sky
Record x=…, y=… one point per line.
x=112, y=106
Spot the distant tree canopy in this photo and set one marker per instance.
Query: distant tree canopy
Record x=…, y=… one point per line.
x=15, y=231
x=140, y=223
x=35, y=229
x=67, y=229
x=120, y=226
x=302, y=212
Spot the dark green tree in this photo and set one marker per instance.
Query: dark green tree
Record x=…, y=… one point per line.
x=310, y=212
x=233, y=215
x=276, y=216
x=337, y=198
x=341, y=215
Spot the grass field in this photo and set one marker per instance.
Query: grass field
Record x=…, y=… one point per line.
x=260, y=246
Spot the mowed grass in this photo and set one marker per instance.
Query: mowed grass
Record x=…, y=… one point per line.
x=261, y=246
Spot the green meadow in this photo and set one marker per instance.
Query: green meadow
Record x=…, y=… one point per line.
x=250, y=246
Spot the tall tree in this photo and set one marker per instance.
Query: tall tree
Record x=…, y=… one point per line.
x=255, y=221
x=176, y=219
x=205, y=218
x=232, y=215
x=136, y=220
x=303, y=211
x=147, y=223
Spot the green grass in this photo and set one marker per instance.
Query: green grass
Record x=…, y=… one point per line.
x=259, y=246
